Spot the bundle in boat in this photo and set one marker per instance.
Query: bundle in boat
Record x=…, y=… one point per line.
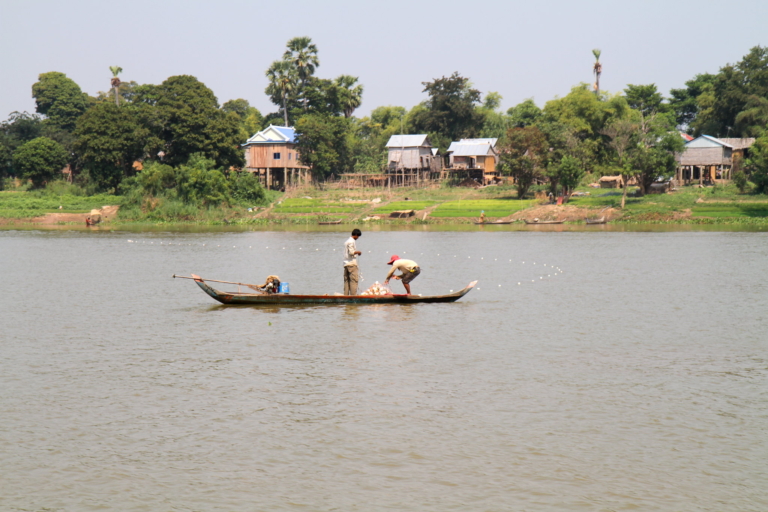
x=377, y=289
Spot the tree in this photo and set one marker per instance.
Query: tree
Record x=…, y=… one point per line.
x=109, y=140
x=451, y=111
x=60, y=99
x=115, y=82
x=524, y=114
x=523, y=153
x=282, y=82
x=322, y=142
x=731, y=90
x=646, y=99
x=597, y=69
x=623, y=134
x=249, y=118
x=567, y=173
x=302, y=55
x=754, y=117
x=350, y=95
x=757, y=164
x=683, y=101
x=40, y=160
x=187, y=119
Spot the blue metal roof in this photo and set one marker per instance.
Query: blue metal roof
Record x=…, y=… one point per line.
x=290, y=133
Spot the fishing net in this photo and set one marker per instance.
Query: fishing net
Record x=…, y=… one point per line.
x=378, y=289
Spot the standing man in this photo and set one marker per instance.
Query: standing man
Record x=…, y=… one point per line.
x=351, y=273
x=408, y=271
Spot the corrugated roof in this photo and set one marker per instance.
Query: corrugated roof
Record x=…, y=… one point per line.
x=408, y=141
x=706, y=141
x=272, y=134
x=492, y=142
x=470, y=149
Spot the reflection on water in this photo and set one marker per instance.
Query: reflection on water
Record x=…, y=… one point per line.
x=625, y=371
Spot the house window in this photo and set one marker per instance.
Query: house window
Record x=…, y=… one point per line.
x=276, y=156
x=290, y=156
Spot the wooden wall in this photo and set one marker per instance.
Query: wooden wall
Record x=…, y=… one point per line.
x=706, y=156
x=261, y=156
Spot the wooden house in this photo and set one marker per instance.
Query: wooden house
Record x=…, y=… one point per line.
x=707, y=159
x=271, y=154
x=475, y=159
x=411, y=160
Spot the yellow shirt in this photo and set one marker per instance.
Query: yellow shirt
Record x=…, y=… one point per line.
x=403, y=265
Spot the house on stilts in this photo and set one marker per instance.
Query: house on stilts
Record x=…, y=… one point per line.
x=411, y=161
x=272, y=156
x=707, y=159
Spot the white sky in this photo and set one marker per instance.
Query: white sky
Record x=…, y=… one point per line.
x=521, y=49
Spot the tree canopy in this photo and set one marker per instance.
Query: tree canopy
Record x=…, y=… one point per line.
x=40, y=160
x=59, y=99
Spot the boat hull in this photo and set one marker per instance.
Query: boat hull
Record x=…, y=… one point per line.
x=533, y=223
x=236, y=298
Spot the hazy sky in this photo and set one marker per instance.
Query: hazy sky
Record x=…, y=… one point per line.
x=537, y=49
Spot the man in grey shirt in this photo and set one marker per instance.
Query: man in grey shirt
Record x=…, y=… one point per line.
x=351, y=272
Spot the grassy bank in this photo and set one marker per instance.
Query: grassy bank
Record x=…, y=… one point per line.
x=440, y=205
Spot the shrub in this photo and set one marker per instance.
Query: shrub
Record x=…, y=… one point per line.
x=245, y=188
x=39, y=160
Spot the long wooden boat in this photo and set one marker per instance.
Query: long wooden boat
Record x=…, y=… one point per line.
x=240, y=298
x=498, y=222
x=543, y=221
x=601, y=220
x=329, y=222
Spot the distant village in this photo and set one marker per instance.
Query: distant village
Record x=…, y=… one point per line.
x=272, y=155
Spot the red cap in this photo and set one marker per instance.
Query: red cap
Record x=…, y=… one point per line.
x=393, y=259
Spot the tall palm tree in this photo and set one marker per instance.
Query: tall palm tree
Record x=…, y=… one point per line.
x=302, y=54
x=116, y=70
x=282, y=80
x=350, y=95
x=597, y=69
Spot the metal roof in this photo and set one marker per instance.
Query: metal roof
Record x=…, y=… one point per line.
x=408, y=141
x=272, y=134
x=470, y=149
x=492, y=142
x=706, y=141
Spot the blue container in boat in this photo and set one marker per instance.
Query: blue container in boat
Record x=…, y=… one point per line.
x=285, y=288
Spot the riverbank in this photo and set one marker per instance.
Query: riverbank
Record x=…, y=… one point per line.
x=439, y=206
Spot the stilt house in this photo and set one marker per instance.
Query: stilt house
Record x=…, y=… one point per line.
x=707, y=159
x=271, y=155
x=477, y=158
x=411, y=160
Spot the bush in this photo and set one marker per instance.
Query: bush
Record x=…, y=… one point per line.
x=40, y=160
x=740, y=180
x=246, y=189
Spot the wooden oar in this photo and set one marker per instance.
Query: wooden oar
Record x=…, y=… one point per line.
x=197, y=278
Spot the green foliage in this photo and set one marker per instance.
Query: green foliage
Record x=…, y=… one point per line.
x=757, y=164
x=451, y=112
x=683, y=102
x=728, y=95
x=472, y=208
x=72, y=199
x=567, y=173
x=245, y=188
x=523, y=152
x=323, y=143
x=40, y=160
x=250, y=120
x=404, y=205
x=524, y=114
x=741, y=181
x=350, y=95
x=188, y=121
x=646, y=99
x=60, y=99
x=109, y=140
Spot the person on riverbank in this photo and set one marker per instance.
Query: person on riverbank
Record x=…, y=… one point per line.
x=351, y=271
x=409, y=269
x=482, y=216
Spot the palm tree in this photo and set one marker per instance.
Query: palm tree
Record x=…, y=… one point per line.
x=597, y=69
x=116, y=70
x=302, y=54
x=282, y=80
x=350, y=96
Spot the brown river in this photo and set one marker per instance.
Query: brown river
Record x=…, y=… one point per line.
x=588, y=371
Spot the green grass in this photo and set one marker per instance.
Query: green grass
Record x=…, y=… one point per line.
x=730, y=210
x=405, y=205
x=473, y=207
x=296, y=205
x=19, y=205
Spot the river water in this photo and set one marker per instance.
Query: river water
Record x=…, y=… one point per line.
x=625, y=371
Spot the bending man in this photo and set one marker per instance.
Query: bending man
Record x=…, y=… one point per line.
x=351, y=273
x=408, y=271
